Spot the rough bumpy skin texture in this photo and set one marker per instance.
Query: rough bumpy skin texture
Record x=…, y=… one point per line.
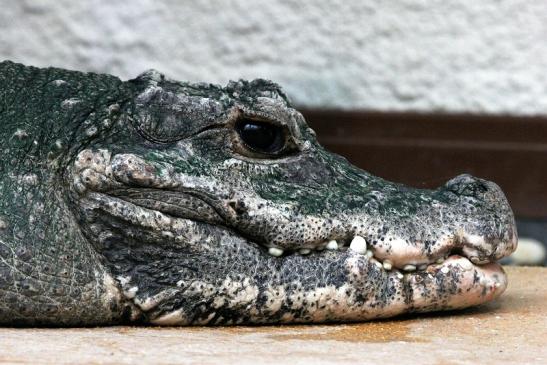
x=144, y=201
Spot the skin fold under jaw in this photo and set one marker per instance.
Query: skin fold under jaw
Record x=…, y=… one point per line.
x=200, y=204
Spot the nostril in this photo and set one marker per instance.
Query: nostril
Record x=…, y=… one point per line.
x=467, y=185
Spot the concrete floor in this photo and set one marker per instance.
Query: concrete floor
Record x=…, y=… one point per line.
x=512, y=330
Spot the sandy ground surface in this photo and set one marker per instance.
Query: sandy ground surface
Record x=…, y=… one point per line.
x=512, y=330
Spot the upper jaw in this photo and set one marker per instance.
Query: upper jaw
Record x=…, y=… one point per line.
x=468, y=217
x=481, y=240
x=397, y=240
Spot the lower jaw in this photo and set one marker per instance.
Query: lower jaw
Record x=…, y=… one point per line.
x=454, y=284
x=483, y=282
x=470, y=285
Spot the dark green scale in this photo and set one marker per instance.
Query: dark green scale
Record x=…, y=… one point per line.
x=48, y=273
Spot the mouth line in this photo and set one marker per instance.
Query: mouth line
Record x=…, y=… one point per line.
x=358, y=245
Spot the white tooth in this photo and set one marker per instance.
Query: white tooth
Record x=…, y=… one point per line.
x=304, y=251
x=422, y=267
x=369, y=254
x=274, y=251
x=377, y=263
x=475, y=260
x=440, y=260
x=332, y=245
x=387, y=265
x=466, y=265
x=400, y=275
x=497, y=284
x=445, y=270
x=409, y=268
x=358, y=244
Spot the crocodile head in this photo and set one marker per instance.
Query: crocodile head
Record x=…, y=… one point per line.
x=217, y=205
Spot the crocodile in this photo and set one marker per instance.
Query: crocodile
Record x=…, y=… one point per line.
x=154, y=201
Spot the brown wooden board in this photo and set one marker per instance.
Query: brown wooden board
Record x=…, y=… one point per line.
x=425, y=150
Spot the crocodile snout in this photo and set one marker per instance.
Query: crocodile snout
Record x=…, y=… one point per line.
x=488, y=230
x=483, y=191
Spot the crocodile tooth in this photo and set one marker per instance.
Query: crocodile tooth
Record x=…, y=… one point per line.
x=274, y=251
x=399, y=275
x=466, y=265
x=332, y=245
x=304, y=251
x=409, y=268
x=377, y=263
x=358, y=244
x=440, y=260
x=387, y=265
x=369, y=254
x=475, y=260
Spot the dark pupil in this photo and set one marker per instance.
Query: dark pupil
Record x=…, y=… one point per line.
x=260, y=136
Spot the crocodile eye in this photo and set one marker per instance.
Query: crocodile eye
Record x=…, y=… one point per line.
x=261, y=137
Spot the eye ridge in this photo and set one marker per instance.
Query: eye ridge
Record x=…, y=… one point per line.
x=261, y=136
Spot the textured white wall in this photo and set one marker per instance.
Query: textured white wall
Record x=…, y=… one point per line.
x=471, y=56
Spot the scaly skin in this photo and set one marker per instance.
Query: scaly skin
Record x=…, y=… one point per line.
x=140, y=202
